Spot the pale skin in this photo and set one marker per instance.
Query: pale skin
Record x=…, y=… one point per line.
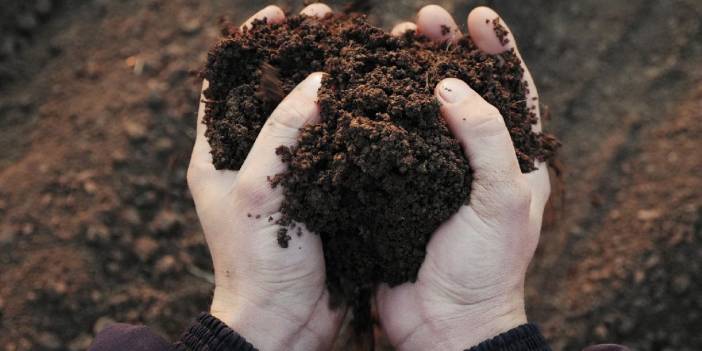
x=470, y=286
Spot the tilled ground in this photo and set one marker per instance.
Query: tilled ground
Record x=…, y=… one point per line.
x=96, y=124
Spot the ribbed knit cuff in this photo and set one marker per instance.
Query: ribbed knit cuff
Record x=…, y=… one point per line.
x=526, y=337
x=211, y=334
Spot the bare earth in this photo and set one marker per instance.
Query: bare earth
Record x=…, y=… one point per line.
x=97, y=110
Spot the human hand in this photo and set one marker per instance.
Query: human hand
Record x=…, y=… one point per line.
x=471, y=284
x=276, y=298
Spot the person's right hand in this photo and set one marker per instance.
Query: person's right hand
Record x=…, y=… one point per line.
x=274, y=297
x=471, y=284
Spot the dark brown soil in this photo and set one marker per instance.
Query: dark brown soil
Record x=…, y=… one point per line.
x=92, y=179
x=381, y=171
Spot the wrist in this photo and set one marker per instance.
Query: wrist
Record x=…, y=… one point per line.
x=467, y=327
x=261, y=323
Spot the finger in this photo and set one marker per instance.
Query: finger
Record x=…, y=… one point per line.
x=481, y=26
x=540, y=184
x=437, y=24
x=318, y=10
x=481, y=130
x=402, y=28
x=282, y=128
x=203, y=179
x=271, y=13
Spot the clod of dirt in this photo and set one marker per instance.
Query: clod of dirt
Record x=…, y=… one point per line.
x=381, y=171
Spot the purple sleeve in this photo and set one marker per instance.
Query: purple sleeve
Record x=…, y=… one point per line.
x=209, y=333
x=129, y=337
x=527, y=337
x=206, y=333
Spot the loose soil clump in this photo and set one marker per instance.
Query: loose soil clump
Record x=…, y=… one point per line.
x=381, y=171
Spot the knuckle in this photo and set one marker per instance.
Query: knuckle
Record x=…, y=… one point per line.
x=250, y=192
x=491, y=111
x=492, y=119
x=541, y=185
x=290, y=115
x=520, y=194
x=547, y=191
x=485, y=121
x=192, y=177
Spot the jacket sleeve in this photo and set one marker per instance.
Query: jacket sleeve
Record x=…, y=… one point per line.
x=118, y=337
x=526, y=337
x=206, y=333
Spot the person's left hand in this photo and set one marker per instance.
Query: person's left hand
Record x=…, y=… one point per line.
x=274, y=297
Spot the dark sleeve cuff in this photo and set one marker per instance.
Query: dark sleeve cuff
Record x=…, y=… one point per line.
x=211, y=334
x=119, y=337
x=525, y=337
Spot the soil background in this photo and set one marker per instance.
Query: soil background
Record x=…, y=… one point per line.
x=97, y=108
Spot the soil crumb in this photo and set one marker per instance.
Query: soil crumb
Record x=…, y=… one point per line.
x=500, y=31
x=381, y=171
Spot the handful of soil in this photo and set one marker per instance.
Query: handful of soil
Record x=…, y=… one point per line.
x=381, y=171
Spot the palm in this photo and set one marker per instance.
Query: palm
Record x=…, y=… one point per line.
x=464, y=268
x=246, y=247
x=470, y=285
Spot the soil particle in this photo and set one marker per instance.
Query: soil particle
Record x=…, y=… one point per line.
x=381, y=153
x=283, y=237
x=270, y=87
x=445, y=29
x=501, y=31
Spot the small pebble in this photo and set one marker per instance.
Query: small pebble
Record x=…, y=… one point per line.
x=80, y=343
x=681, y=283
x=155, y=101
x=42, y=7
x=131, y=216
x=102, y=323
x=165, y=264
x=165, y=221
x=191, y=27
x=26, y=22
x=49, y=340
x=145, y=248
x=134, y=130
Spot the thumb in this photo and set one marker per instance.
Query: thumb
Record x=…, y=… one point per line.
x=282, y=129
x=481, y=130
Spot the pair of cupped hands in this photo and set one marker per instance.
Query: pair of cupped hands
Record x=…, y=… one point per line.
x=471, y=284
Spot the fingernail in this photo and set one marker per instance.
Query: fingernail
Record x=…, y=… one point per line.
x=452, y=90
x=310, y=86
x=312, y=83
x=318, y=10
